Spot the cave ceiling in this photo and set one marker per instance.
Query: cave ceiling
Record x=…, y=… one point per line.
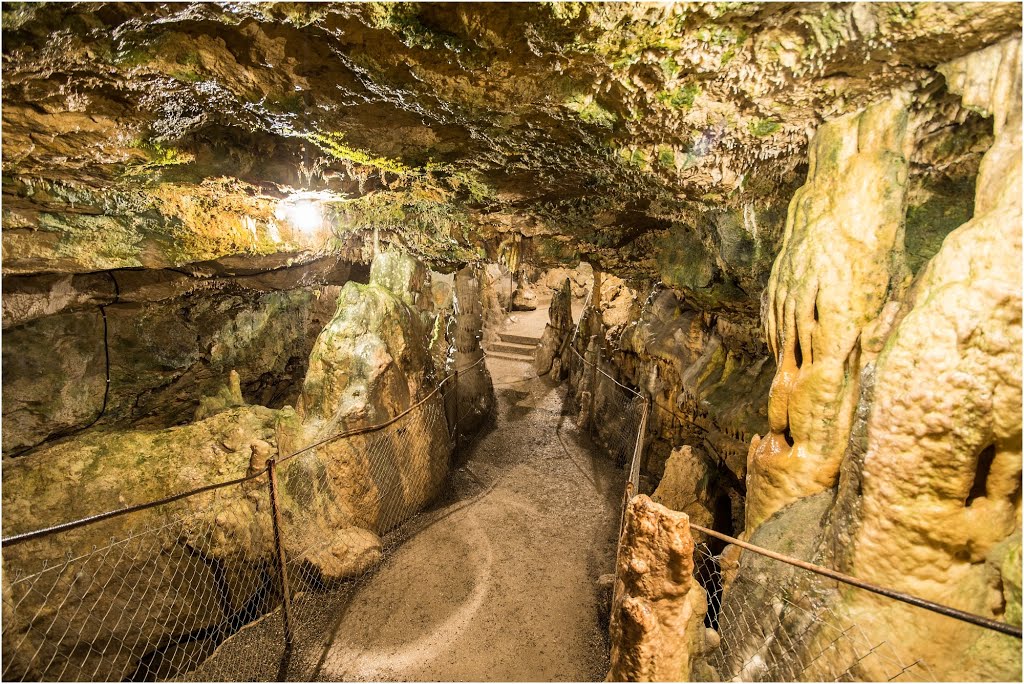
x=164, y=135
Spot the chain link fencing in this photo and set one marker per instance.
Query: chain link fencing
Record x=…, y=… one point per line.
x=612, y=412
x=249, y=580
x=778, y=627
x=235, y=581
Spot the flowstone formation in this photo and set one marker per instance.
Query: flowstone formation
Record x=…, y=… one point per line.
x=841, y=259
x=472, y=389
x=941, y=468
x=929, y=459
x=370, y=364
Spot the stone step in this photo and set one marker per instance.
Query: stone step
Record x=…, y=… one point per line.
x=512, y=348
x=510, y=357
x=512, y=338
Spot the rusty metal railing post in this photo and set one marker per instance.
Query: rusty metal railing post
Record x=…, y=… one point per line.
x=591, y=418
x=282, y=567
x=638, y=449
x=455, y=430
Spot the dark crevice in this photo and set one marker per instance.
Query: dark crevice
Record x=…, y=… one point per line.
x=984, y=468
x=160, y=663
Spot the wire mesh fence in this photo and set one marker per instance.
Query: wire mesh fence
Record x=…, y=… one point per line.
x=611, y=411
x=251, y=580
x=169, y=585
x=194, y=588
x=782, y=628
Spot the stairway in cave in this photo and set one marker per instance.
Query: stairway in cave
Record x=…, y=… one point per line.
x=519, y=336
x=513, y=347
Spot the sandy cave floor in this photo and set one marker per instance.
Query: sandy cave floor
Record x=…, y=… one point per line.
x=496, y=582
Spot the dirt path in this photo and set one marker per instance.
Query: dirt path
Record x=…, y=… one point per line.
x=499, y=585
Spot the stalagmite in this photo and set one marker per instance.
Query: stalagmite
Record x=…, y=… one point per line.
x=657, y=623
x=558, y=327
x=475, y=394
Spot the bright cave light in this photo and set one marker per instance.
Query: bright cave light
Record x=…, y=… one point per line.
x=302, y=211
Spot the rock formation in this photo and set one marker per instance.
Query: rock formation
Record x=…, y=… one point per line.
x=657, y=622
x=170, y=558
x=687, y=487
x=473, y=391
x=169, y=339
x=842, y=256
x=193, y=195
x=524, y=298
x=548, y=357
x=370, y=363
x=928, y=496
x=941, y=468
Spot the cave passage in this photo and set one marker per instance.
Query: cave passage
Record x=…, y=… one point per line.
x=497, y=582
x=511, y=341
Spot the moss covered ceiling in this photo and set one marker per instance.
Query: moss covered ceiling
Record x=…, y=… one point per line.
x=659, y=140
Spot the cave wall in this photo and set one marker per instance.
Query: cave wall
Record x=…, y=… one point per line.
x=170, y=338
x=707, y=377
x=371, y=361
x=661, y=143
x=868, y=416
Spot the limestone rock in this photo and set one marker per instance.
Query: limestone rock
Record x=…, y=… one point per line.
x=841, y=257
x=371, y=363
x=942, y=468
x=405, y=277
x=54, y=377
x=928, y=500
x=657, y=624
x=228, y=396
x=654, y=116
x=171, y=338
x=581, y=279
x=708, y=381
x=524, y=298
x=474, y=396
x=686, y=486
x=193, y=562
x=559, y=326
x=348, y=552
